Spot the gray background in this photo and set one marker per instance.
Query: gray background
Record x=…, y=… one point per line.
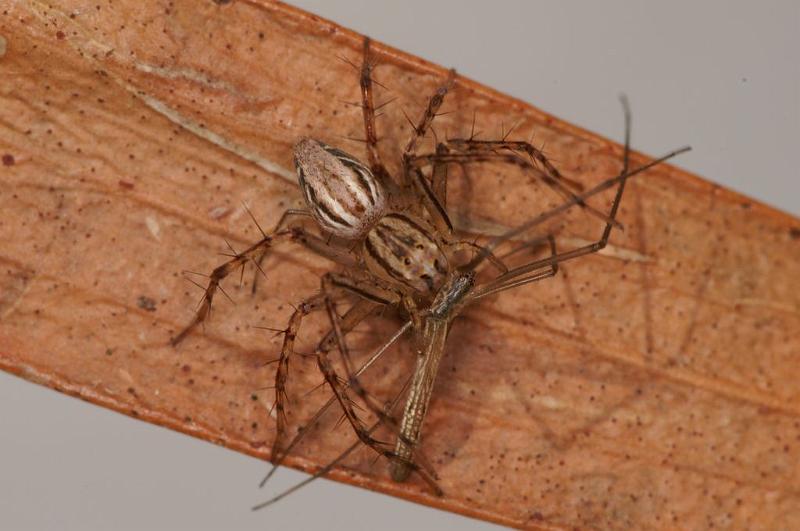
x=721, y=76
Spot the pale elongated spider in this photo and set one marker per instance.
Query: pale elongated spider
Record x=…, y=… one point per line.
x=402, y=251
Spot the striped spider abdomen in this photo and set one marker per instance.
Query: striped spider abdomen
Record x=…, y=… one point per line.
x=342, y=194
x=402, y=250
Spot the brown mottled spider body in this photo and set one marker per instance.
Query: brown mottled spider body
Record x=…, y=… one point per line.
x=401, y=251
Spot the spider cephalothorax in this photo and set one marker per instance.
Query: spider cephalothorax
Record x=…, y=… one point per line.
x=340, y=192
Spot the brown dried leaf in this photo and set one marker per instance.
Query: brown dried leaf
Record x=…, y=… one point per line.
x=654, y=386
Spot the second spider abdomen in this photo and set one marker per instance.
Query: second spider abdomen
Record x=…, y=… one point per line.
x=401, y=249
x=342, y=194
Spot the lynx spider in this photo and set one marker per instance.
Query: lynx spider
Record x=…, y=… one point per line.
x=402, y=252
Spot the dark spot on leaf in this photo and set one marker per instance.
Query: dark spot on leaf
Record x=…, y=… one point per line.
x=146, y=303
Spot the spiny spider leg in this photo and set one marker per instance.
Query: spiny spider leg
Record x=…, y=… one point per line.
x=370, y=291
x=353, y=383
x=339, y=386
x=362, y=432
x=329, y=282
x=532, y=272
x=529, y=273
x=330, y=466
x=309, y=305
x=508, y=158
x=284, y=221
x=354, y=315
x=425, y=121
x=552, y=176
x=471, y=145
x=368, y=111
x=605, y=185
x=297, y=234
x=413, y=176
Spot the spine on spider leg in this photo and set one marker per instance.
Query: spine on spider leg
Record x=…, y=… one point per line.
x=431, y=348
